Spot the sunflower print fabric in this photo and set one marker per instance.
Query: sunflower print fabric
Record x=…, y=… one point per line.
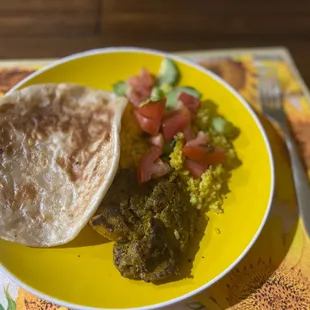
x=275, y=274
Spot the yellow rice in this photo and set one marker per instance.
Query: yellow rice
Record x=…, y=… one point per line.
x=206, y=193
x=133, y=145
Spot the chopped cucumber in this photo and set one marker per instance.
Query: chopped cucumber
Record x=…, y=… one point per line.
x=173, y=95
x=120, y=88
x=222, y=126
x=157, y=94
x=169, y=73
x=172, y=98
x=165, y=88
x=219, y=124
x=190, y=91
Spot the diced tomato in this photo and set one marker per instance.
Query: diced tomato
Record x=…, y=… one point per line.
x=140, y=87
x=145, y=167
x=153, y=109
x=191, y=102
x=148, y=125
x=159, y=169
x=175, y=122
x=133, y=97
x=205, y=155
x=201, y=139
x=151, y=166
x=157, y=140
x=188, y=133
x=134, y=81
x=195, y=169
x=197, y=153
x=216, y=157
x=172, y=125
x=147, y=77
x=142, y=81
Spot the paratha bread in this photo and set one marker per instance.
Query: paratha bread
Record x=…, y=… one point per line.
x=59, y=152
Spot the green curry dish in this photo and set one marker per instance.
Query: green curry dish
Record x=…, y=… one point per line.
x=152, y=224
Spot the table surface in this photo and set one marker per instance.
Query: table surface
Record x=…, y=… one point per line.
x=49, y=29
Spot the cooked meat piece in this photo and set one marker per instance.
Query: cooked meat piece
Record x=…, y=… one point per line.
x=111, y=223
x=170, y=204
x=150, y=258
x=152, y=224
x=114, y=219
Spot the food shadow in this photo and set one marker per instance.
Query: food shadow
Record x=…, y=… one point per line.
x=87, y=237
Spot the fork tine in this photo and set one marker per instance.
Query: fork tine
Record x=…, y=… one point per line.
x=269, y=88
x=265, y=91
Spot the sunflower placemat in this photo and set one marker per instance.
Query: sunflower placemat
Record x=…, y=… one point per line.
x=275, y=274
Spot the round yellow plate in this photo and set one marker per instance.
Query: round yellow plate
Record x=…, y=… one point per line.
x=81, y=274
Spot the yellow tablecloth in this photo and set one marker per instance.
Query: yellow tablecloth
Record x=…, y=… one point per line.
x=276, y=272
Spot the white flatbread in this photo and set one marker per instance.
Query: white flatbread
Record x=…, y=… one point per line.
x=59, y=152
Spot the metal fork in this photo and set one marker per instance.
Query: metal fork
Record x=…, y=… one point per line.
x=272, y=105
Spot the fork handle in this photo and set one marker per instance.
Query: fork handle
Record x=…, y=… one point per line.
x=301, y=180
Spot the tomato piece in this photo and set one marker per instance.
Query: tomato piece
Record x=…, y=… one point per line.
x=205, y=154
x=172, y=125
x=144, y=80
x=140, y=87
x=188, y=133
x=159, y=169
x=197, y=153
x=151, y=165
x=195, y=169
x=148, y=125
x=147, y=78
x=201, y=139
x=216, y=157
x=153, y=109
x=133, y=97
x=157, y=140
x=175, y=122
x=191, y=102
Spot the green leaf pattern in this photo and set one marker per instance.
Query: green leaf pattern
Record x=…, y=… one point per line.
x=11, y=302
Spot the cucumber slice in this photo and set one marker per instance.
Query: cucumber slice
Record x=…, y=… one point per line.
x=169, y=73
x=157, y=94
x=224, y=127
x=173, y=95
x=219, y=124
x=172, y=98
x=190, y=91
x=166, y=88
x=120, y=88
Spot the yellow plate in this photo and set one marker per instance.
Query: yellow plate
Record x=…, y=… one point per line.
x=81, y=274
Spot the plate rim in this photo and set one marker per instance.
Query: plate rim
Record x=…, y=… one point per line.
x=107, y=50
